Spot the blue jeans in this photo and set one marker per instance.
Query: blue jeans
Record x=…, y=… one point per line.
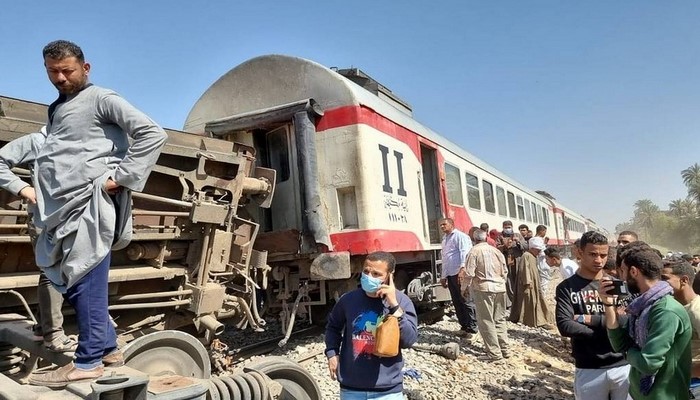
x=346, y=394
x=96, y=335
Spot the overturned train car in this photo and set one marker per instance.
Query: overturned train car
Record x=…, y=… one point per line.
x=191, y=262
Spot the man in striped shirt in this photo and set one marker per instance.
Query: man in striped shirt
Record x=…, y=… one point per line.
x=486, y=277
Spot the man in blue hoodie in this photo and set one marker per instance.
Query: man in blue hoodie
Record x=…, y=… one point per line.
x=351, y=328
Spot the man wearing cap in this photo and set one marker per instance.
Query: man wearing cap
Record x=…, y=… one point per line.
x=529, y=307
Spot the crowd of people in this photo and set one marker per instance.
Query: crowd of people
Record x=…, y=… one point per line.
x=632, y=315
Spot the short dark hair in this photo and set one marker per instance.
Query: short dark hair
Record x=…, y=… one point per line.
x=507, y=222
x=696, y=284
x=552, y=252
x=523, y=226
x=611, y=264
x=682, y=268
x=696, y=255
x=484, y=225
x=540, y=228
x=646, y=260
x=60, y=49
x=629, y=233
x=634, y=245
x=383, y=256
x=686, y=257
x=592, y=237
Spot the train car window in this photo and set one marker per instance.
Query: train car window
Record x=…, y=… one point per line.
x=545, y=214
x=540, y=218
x=473, y=195
x=535, y=218
x=454, y=185
x=501, y=200
x=489, y=200
x=528, y=211
x=511, y=205
x=521, y=209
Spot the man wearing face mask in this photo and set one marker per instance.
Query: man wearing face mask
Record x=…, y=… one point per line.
x=656, y=337
x=512, y=244
x=350, y=334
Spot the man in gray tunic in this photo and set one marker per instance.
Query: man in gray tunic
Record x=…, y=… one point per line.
x=82, y=175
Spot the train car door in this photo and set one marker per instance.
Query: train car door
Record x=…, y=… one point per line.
x=281, y=155
x=431, y=190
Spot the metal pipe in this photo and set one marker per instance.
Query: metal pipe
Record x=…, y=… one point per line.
x=141, y=296
x=207, y=246
x=142, y=226
x=302, y=292
x=13, y=213
x=248, y=314
x=211, y=324
x=24, y=303
x=161, y=199
x=13, y=226
x=21, y=171
x=15, y=239
x=172, y=303
x=255, y=185
x=159, y=213
x=254, y=302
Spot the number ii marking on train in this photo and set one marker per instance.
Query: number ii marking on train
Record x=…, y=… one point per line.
x=385, y=166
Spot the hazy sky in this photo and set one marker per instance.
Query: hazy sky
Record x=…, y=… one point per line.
x=596, y=102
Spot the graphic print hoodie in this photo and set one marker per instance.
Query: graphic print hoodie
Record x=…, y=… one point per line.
x=350, y=333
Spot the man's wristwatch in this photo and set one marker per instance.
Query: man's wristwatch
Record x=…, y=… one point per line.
x=581, y=319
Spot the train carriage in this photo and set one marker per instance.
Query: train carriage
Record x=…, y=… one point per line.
x=286, y=175
x=379, y=180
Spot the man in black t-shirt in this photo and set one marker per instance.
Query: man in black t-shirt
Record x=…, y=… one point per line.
x=600, y=372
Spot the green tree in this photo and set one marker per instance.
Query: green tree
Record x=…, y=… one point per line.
x=682, y=208
x=691, y=179
x=644, y=213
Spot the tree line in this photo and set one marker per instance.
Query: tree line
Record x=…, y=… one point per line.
x=678, y=227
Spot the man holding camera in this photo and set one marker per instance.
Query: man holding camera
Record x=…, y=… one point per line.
x=601, y=373
x=656, y=335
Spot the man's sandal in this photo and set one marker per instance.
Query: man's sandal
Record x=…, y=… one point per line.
x=62, y=344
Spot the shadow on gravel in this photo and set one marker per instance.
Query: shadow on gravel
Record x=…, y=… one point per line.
x=550, y=344
x=546, y=384
x=437, y=335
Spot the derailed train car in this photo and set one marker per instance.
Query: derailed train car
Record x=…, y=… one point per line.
x=287, y=174
x=191, y=262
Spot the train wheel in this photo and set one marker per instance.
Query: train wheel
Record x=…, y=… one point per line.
x=296, y=382
x=168, y=353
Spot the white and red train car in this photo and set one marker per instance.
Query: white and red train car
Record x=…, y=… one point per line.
x=356, y=174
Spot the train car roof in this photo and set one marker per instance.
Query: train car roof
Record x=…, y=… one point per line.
x=271, y=80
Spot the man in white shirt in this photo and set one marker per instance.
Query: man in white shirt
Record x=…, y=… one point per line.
x=566, y=266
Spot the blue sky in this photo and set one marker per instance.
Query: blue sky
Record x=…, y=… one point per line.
x=596, y=102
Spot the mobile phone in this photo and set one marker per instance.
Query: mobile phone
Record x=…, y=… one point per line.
x=619, y=288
